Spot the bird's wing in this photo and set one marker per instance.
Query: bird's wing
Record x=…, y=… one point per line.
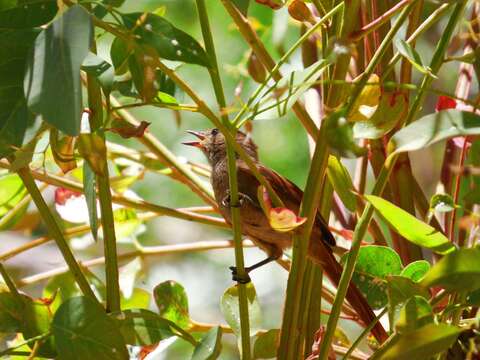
x=290, y=193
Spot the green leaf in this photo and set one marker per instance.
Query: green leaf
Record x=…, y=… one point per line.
x=119, y=53
x=144, y=327
x=83, y=330
x=242, y=5
x=129, y=274
x=52, y=82
x=229, y=306
x=266, y=344
x=400, y=289
x=442, y=203
x=169, y=42
x=37, y=318
x=12, y=192
x=126, y=224
x=416, y=313
x=210, y=345
x=26, y=13
x=459, y=270
x=410, y=227
x=416, y=270
x=14, y=115
x=413, y=57
x=11, y=313
x=172, y=302
x=90, y=191
x=342, y=183
x=374, y=264
x=433, y=128
x=339, y=135
x=390, y=111
x=100, y=69
x=139, y=299
x=422, y=343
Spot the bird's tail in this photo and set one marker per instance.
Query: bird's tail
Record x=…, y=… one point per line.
x=322, y=254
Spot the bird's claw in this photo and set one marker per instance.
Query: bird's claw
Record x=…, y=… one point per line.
x=226, y=201
x=240, y=279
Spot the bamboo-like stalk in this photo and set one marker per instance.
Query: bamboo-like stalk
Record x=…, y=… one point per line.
x=55, y=232
x=362, y=224
x=233, y=181
x=105, y=198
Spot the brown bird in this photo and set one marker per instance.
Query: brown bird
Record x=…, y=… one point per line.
x=255, y=224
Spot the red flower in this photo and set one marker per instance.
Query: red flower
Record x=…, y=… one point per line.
x=445, y=102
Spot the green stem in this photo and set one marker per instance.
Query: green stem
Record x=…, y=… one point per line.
x=55, y=232
x=8, y=280
x=233, y=181
x=26, y=342
x=364, y=333
x=364, y=220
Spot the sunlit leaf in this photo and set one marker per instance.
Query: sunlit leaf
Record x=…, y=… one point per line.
x=52, y=81
x=459, y=270
x=342, y=183
x=408, y=52
x=63, y=150
x=391, y=110
x=400, y=289
x=416, y=270
x=144, y=327
x=11, y=313
x=139, y=299
x=210, y=345
x=83, y=330
x=442, y=203
x=230, y=309
x=172, y=302
x=37, y=319
x=422, y=343
x=368, y=100
x=410, y=227
x=284, y=220
x=11, y=192
x=433, y=128
x=374, y=264
x=416, y=313
x=26, y=13
x=265, y=346
x=127, y=224
x=169, y=42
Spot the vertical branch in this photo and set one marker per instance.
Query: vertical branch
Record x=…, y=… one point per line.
x=105, y=199
x=232, y=176
x=364, y=220
x=55, y=231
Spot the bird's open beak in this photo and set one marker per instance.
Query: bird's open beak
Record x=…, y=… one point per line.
x=199, y=135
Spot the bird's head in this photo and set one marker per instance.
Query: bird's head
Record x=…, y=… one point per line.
x=213, y=144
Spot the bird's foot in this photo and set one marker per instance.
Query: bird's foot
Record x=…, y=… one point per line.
x=235, y=277
x=227, y=202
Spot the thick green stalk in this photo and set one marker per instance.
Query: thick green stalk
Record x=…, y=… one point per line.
x=364, y=220
x=233, y=181
x=55, y=232
x=105, y=199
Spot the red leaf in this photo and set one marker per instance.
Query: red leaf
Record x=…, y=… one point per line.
x=445, y=102
x=146, y=350
x=284, y=220
x=129, y=131
x=273, y=4
x=62, y=195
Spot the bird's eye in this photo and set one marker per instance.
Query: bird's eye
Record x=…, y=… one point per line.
x=214, y=132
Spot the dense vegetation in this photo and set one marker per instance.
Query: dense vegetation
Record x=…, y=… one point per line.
x=369, y=106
